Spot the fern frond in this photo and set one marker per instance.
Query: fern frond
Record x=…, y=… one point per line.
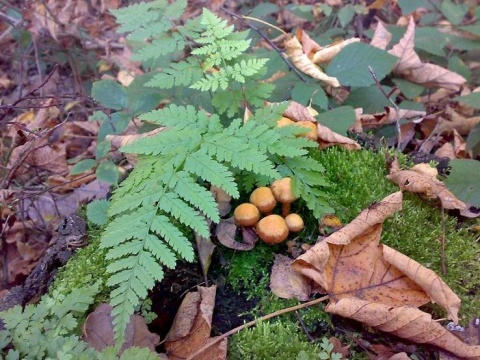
x=182, y=73
x=160, y=46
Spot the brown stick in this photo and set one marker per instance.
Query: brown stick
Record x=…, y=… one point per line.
x=254, y=322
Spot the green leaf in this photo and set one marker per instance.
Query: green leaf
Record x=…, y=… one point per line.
x=456, y=64
x=119, y=120
x=473, y=140
x=97, y=212
x=82, y=166
x=409, y=6
x=107, y=171
x=369, y=98
x=430, y=39
x=338, y=120
x=103, y=147
x=472, y=100
x=304, y=92
x=110, y=94
x=350, y=66
x=464, y=180
x=408, y=88
x=345, y=15
x=453, y=12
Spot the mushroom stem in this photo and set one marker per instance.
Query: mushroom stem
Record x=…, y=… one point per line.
x=285, y=209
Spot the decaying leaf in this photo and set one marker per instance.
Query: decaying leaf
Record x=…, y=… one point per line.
x=413, y=69
x=303, y=63
x=422, y=179
x=389, y=116
x=226, y=231
x=192, y=325
x=404, y=321
x=98, y=331
x=223, y=200
x=287, y=283
x=372, y=283
x=381, y=37
x=205, y=248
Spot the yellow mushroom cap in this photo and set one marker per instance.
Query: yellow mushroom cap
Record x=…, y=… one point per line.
x=246, y=214
x=294, y=222
x=272, y=229
x=313, y=133
x=282, y=190
x=263, y=199
x=284, y=121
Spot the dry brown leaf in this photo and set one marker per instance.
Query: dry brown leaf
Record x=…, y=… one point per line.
x=338, y=348
x=223, y=200
x=410, y=67
x=404, y=321
x=456, y=121
x=225, y=233
x=205, y=248
x=415, y=180
x=327, y=53
x=303, y=63
x=121, y=140
x=287, y=283
x=98, y=331
x=381, y=36
x=192, y=326
x=446, y=150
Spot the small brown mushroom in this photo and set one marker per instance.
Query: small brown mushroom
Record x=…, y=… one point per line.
x=282, y=190
x=313, y=133
x=272, y=229
x=294, y=222
x=263, y=199
x=246, y=215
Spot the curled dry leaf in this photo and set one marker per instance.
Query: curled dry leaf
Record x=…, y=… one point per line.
x=98, y=331
x=303, y=63
x=368, y=281
x=327, y=53
x=223, y=200
x=225, y=233
x=389, y=116
x=455, y=121
x=418, y=180
x=287, y=283
x=404, y=321
x=192, y=326
x=410, y=67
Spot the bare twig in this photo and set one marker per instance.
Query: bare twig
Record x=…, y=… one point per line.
x=388, y=97
x=255, y=322
x=267, y=39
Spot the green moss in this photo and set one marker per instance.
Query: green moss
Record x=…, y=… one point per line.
x=271, y=340
x=84, y=268
x=359, y=178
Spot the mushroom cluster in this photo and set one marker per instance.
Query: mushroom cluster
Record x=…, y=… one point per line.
x=312, y=134
x=272, y=228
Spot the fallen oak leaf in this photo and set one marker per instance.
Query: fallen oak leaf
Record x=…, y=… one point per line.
x=406, y=322
x=287, y=283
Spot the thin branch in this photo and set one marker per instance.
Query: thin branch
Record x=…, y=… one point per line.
x=255, y=322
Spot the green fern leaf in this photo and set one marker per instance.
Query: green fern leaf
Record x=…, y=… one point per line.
x=182, y=73
x=160, y=46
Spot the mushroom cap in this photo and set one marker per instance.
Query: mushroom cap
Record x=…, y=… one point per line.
x=272, y=229
x=263, y=199
x=246, y=214
x=284, y=121
x=313, y=133
x=294, y=222
x=282, y=190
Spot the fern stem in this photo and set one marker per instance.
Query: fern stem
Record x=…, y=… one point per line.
x=254, y=322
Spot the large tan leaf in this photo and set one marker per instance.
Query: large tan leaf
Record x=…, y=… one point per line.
x=191, y=328
x=410, y=67
x=406, y=322
x=422, y=179
x=286, y=283
x=381, y=37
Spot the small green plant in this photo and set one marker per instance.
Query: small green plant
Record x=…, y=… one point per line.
x=166, y=190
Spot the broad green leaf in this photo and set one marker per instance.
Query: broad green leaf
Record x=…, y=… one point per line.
x=338, y=120
x=350, y=66
x=304, y=92
x=110, y=94
x=464, y=180
x=472, y=100
x=473, y=140
x=102, y=149
x=409, y=6
x=457, y=65
x=302, y=11
x=431, y=40
x=107, y=171
x=119, y=120
x=97, y=212
x=345, y=15
x=474, y=29
x=409, y=89
x=369, y=98
x=263, y=9
x=453, y=12
x=142, y=99
x=82, y=166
